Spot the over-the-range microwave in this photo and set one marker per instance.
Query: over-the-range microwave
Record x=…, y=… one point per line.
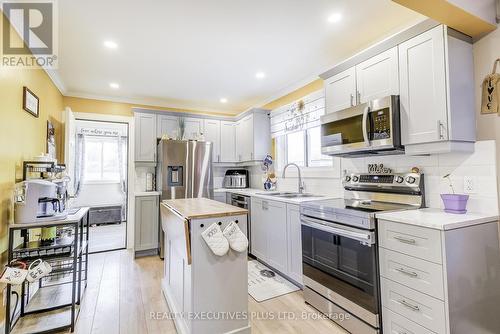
x=366, y=129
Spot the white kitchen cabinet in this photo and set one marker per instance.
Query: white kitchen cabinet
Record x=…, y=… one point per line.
x=294, y=269
x=193, y=127
x=227, y=141
x=167, y=125
x=436, y=93
x=277, y=245
x=145, y=137
x=220, y=197
x=340, y=90
x=258, y=231
x=378, y=76
x=146, y=223
x=253, y=137
x=212, y=134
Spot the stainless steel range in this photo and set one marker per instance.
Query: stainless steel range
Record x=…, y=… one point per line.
x=340, y=251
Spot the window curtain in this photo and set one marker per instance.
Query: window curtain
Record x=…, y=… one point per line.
x=79, y=171
x=122, y=163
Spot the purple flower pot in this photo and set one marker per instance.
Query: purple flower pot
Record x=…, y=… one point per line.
x=455, y=203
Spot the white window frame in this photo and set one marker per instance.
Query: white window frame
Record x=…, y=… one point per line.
x=101, y=180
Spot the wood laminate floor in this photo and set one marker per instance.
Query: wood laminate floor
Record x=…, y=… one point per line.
x=123, y=293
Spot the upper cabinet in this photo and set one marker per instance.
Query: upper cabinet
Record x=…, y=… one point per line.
x=145, y=137
x=213, y=134
x=340, y=90
x=253, y=137
x=167, y=125
x=436, y=93
x=378, y=76
x=374, y=78
x=227, y=141
x=193, y=127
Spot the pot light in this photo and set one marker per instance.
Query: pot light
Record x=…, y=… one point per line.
x=110, y=44
x=260, y=75
x=223, y=100
x=334, y=18
x=114, y=85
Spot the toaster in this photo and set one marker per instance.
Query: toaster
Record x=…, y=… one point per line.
x=236, y=178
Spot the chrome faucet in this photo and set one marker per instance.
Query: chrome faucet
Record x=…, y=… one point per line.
x=301, y=185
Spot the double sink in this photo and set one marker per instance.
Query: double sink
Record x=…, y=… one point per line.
x=288, y=195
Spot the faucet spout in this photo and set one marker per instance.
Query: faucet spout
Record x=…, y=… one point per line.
x=300, y=184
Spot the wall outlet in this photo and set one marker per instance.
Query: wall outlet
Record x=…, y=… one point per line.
x=469, y=185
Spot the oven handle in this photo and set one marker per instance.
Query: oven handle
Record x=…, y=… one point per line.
x=364, y=237
x=365, y=127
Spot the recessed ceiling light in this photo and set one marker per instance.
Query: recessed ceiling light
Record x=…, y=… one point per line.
x=110, y=44
x=223, y=100
x=114, y=85
x=335, y=17
x=260, y=75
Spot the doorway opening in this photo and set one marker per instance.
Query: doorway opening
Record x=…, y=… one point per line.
x=101, y=181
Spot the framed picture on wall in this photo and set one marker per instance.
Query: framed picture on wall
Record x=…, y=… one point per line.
x=30, y=102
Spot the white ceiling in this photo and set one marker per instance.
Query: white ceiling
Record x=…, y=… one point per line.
x=189, y=54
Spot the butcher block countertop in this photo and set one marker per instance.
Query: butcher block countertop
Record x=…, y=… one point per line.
x=196, y=208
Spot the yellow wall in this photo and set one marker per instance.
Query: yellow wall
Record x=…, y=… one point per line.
x=295, y=95
x=117, y=108
x=22, y=136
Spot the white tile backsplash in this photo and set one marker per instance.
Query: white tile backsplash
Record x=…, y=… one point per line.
x=140, y=177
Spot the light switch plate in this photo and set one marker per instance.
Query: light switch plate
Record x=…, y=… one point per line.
x=469, y=185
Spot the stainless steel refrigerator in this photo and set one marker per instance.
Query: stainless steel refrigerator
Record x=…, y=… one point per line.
x=184, y=170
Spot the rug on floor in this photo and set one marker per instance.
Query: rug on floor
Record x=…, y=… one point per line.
x=264, y=283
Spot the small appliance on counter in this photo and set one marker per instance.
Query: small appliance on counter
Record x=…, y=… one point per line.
x=150, y=181
x=236, y=179
x=37, y=201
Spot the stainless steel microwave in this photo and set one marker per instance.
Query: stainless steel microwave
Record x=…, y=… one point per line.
x=366, y=129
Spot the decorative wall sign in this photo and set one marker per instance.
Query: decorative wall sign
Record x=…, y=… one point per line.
x=490, y=99
x=378, y=169
x=30, y=102
x=100, y=132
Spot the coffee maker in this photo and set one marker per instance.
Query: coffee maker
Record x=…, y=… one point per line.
x=37, y=201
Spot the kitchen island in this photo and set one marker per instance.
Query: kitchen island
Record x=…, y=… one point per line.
x=206, y=293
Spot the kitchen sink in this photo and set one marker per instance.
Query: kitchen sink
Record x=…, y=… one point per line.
x=289, y=195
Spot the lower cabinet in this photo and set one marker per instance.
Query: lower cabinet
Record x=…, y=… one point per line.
x=220, y=197
x=146, y=223
x=275, y=236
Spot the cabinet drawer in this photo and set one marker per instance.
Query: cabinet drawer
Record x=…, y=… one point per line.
x=393, y=323
x=421, y=242
x=421, y=275
x=418, y=307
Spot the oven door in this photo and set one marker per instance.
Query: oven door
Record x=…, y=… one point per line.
x=340, y=263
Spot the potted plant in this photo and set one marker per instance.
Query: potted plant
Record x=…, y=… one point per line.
x=454, y=203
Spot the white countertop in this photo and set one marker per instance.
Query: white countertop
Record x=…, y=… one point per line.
x=437, y=218
x=147, y=193
x=260, y=193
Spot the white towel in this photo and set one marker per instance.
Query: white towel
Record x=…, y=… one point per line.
x=215, y=240
x=237, y=240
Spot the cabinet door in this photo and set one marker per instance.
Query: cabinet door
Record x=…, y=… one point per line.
x=378, y=76
x=227, y=141
x=212, y=134
x=247, y=152
x=145, y=137
x=275, y=224
x=422, y=80
x=259, y=235
x=239, y=140
x=146, y=223
x=193, y=127
x=167, y=125
x=340, y=90
x=294, y=243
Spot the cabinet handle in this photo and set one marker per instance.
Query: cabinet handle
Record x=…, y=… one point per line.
x=358, y=97
x=352, y=100
x=218, y=157
x=251, y=156
x=406, y=272
x=408, y=305
x=405, y=240
x=440, y=129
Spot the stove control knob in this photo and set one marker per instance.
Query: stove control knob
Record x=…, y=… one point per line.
x=399, y=179
x=355, y=179
x=347, y=178
x=410, y=179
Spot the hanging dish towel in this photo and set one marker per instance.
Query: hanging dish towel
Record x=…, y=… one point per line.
x=237, y=240
x=490, y=98
x=215, y=240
